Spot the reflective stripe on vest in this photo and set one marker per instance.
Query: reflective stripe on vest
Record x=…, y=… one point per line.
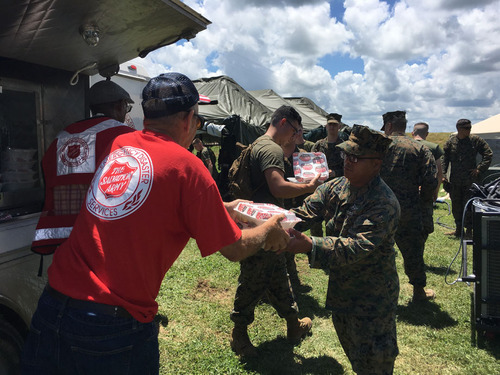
x=52, y=233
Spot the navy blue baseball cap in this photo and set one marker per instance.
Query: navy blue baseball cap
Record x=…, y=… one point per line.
x=167, y=94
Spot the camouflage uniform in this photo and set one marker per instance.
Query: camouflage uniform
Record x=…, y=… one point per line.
x=428, y=206
x=335, y=163
x=308, y=145
x=265, y=272
x=291, y=266
x=363, y=286
x=205, y=155
x=410, y=171
x=332, y=153
x=461, y=154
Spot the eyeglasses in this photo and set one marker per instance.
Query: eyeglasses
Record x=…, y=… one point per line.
x=354, y=158
x=295, y=130
x=129, y=107
x=200, y=121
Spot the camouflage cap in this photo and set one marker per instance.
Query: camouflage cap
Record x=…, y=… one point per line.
x=365, y=141
x=333, y=118
x=389, y=116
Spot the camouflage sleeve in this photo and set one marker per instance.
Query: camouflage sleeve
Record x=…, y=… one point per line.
x=316, y=147
x=369, y=231
x=439, y=153
x=205, y=155
x=446, y=157
x=313, y=208
x=428, y=173
x=487, y=154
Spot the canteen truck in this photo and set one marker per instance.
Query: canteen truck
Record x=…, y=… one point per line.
x=48, y=52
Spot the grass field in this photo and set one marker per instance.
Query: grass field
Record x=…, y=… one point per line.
x=434, y=338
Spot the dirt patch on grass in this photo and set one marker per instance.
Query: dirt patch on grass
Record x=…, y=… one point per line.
x=204, y=290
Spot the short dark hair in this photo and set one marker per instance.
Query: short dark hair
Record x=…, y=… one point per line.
x=288, y=112
x=464, y=123
x=421, y=129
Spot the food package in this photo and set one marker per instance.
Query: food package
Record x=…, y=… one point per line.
x=253, y=214
x=307, y=165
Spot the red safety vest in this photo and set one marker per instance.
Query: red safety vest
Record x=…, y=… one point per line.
x=71, y=159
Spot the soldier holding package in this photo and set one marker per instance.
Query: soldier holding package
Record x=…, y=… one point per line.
x=363, y=286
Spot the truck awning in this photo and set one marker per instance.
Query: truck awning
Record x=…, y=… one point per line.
x=49, y=32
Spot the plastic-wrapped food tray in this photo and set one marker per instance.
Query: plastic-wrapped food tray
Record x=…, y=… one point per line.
x=253, y=214
x=307, y=165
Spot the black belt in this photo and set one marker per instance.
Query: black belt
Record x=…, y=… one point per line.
x=88, y=306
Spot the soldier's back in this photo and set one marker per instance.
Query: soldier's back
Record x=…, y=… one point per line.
x=401, y=169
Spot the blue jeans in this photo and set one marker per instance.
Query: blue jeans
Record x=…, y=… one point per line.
x=65, y=340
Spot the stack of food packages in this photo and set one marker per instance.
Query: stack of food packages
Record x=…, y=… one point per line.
x=253, y=214
x=307, y=165
x=18, y=169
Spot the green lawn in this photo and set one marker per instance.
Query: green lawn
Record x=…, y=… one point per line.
x=434, y=338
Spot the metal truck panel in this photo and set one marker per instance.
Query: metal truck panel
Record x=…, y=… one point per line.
x=48, y=32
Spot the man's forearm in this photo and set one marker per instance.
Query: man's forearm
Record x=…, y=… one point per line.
x=254, y=239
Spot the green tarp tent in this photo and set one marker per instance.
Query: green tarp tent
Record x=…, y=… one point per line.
x=244, y=116
x=310, y=108
x=273, y=101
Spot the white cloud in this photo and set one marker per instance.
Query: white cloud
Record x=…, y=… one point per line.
x=437, y=59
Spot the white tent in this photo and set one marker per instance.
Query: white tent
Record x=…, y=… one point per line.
x=489, y=130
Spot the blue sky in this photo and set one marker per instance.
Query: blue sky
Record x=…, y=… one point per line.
x=437, y=59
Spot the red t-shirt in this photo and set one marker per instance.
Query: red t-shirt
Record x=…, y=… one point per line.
x=147, y=198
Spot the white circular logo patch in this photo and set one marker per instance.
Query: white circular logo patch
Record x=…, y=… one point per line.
x=74, y=152
x=121, y=184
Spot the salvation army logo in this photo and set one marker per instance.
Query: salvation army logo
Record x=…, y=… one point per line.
x=116, y=180
x=121, y=184
x=74, y=152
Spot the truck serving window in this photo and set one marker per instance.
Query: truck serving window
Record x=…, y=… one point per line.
x=21, y=189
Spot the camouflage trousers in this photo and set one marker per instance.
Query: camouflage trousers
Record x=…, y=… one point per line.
x=370, y=343
x=459, y=195
x=291, y=268
x=410, y=239
x=263, y=273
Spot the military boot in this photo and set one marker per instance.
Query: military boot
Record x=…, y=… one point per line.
x=421, y=294
x=240, y=342
x=297, y=329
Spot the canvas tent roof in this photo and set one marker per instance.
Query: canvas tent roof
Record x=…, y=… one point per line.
x=273, y=101
x=489, y=130
x=309, y=107
x=232, y=99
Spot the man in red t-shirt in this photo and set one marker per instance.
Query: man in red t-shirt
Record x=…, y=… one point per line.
x=148, y=197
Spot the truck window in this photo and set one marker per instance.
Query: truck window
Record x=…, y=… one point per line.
x=21, y=190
